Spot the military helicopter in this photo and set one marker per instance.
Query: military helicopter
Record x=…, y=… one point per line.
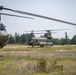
x=3, y=32
x=4, y=36
x=43, y=40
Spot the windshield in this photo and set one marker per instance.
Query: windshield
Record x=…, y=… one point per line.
x=2, y=27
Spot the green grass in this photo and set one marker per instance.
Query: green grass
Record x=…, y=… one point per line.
x=16, y=47
x=22, y=60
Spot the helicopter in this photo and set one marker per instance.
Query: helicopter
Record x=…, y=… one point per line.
x=43, y=40
x=4, y=37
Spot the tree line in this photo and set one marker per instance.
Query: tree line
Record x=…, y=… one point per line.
x=22, y=39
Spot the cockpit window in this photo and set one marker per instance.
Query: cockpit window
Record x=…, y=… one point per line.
x=2, y=28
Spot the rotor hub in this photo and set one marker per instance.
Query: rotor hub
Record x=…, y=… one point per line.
x=1, y=7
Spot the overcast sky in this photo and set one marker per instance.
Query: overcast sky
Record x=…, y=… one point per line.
x=59, y=9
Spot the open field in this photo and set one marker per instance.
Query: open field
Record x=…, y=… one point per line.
x=24, y=60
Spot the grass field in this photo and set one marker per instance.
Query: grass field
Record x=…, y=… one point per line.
x=24, y=60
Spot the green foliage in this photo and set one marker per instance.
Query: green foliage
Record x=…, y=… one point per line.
x=17, y=38
x=73, y=40
x=56, y=41
x=65, y=41
x=11, y=40
x=22, y=39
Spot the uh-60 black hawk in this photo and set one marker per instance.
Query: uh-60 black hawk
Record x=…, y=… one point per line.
x=3, y=33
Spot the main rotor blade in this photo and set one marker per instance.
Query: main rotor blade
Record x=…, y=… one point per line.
x=35, y=33
x=44, y=33
x=57, y=30
x=40, y=33
x=46, y=30
x=36, y=15
x=15, y=15
x=52, y=30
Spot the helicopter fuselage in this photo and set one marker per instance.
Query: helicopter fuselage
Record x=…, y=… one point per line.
x=3, y=36
x=39, y=41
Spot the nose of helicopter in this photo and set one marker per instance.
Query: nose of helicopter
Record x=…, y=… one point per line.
x=3, y=39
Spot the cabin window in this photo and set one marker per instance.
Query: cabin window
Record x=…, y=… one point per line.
x=2, y=28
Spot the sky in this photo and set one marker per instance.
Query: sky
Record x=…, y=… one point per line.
x=58, y=9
